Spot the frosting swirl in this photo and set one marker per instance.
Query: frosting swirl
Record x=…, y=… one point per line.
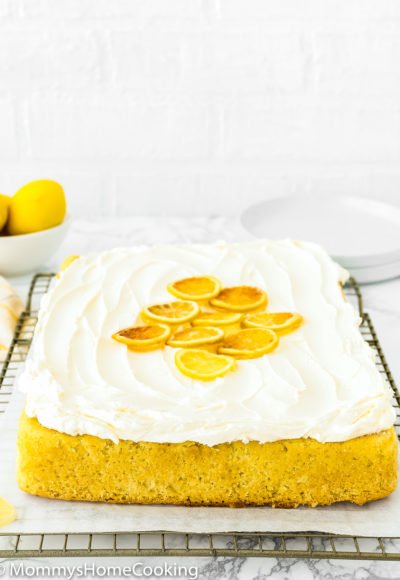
x=320, y=382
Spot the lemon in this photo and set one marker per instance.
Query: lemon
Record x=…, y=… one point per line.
x=190, y=337
x=279, y=322
x=4, y=205
x=217, y=318
x=38, y=205
x=177, y=312
x=202, y=365
x=66, y=263
x=240, y=298
x=195, y=288
x=143, y=337
x=249, y=343
x=7, y=512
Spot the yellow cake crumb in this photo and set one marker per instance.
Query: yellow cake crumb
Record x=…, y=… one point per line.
x=285, y=473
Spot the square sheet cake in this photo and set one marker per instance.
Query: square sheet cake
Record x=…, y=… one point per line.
x=308, y=421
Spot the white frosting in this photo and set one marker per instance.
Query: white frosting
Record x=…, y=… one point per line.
x=320, y=382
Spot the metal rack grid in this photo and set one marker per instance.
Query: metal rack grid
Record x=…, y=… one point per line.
x=283, y=545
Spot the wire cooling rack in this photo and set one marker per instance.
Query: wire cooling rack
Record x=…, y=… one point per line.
x=136, y=543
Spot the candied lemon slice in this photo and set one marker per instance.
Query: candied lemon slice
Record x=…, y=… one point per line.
x=142, y=338
x=249, y=343
x=195, y=288
x=240, y=298
x=279, y=322
x=67, y=262
x=172, y=312
x=190, y=337
x=203, y=365
x=217, y=318
x=7, y=512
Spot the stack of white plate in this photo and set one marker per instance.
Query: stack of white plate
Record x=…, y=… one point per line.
x=363, y=235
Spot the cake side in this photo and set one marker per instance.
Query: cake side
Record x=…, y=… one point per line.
x=284, y=473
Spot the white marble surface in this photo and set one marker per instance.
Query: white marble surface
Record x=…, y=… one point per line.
x=381, y=301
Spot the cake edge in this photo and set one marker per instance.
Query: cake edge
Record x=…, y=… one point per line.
x=285, y=473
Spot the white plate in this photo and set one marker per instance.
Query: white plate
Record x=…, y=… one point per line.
x=379, y=273
x=357, y=232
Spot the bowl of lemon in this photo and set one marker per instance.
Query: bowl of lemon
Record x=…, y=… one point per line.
x=33, y=223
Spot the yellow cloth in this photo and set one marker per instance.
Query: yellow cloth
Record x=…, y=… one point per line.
x=11, y=308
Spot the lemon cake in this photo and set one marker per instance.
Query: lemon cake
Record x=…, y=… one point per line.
x=223, y=374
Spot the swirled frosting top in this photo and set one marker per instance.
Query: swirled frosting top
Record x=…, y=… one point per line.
x=320, y=382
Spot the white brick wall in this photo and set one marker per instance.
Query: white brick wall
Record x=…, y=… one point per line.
x=199, y=106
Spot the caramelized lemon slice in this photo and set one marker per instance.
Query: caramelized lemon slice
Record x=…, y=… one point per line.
x=195, y=288
x=190, y=337
x=143, y=337
x=172, y=312
x=240, y=298
x=249, y=343
x=7, y=512
x=279, y=322
x=218, y=318
x=203, y=365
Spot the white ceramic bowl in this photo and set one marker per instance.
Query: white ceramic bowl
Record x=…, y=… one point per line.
x=26, y=253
